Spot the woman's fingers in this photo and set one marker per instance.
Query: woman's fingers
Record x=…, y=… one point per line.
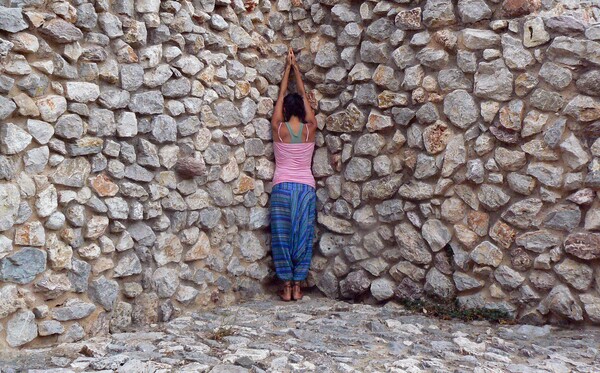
x=292, y=56
x=312, y=99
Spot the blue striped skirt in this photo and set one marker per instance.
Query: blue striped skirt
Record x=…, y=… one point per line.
x=293, y=209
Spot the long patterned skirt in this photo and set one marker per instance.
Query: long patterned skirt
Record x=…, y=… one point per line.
x=293, y=209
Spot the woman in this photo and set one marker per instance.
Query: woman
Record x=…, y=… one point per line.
x=293, y=196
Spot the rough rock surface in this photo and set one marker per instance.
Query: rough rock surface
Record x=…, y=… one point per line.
x=253, y=343
x=456, y=157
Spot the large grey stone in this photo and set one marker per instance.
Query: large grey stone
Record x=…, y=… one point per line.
x=433, y=58
x=342, y=13
x=535, y=32
x=461, y=109
x=59, y=253
x=374, y=52
x=538, y=241
x=82, y=91
x=464, y=282
x=510, y=160
x=583, y=108
x=380, y=29
x=563, y=217
x=60, y=31
x=73, y=309
x=7, y=107
x=358, y=169
x=404, y=56
x=227, y=114
x=104, y=292
x=472, y=11
x=455, y=156
x=13, y=139
x=515, y=55
x=35, y=85
x=164, y=129
x=492, y=197
x=50, y=327
x=592, y=306
x=438, y=13
x=546, y=173
x=21, y=329
x=486, y=253
x=128, y=265
x=251, y=247
x=588, y=83
x=480, y=39
x=382, y=289
x=451, y=79
x=10, y=200
x=412, y=246
x=524, y=214
x=10, y=301
x=364, y=94
x=102, y=122
x=493, y=81
x=558, y=77
x=271, y=69
x=507, y=277
x=151, y=102
x=350, y=35
x=561, y=302
x=436, y=234
x=165, y=281
x=167, y=249
x=417, y=191
x=565, y=25
x=381, y=189
x=72, y=172
x=79, y=274
x=327, y=56
x=8, y=169
x=547, y=100
x=41, y=131
x=23, y=266
x=576, y=274
x=583, y=245
x=69, y=126
x=439, y=285
x=11, y=19
x=355, y=284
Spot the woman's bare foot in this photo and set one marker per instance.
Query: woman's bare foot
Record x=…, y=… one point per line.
x=286, y=293
x=297, y=291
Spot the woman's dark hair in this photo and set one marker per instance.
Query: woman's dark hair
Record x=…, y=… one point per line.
x=293, y=105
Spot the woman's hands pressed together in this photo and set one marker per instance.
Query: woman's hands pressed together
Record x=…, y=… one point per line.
x=291, y=59
x=292, y=64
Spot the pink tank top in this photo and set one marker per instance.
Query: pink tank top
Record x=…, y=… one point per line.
x=293, y=163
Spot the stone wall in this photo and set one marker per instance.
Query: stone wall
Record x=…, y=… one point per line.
x=457, y=156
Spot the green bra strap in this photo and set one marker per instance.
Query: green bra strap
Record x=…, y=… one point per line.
x=296, y=138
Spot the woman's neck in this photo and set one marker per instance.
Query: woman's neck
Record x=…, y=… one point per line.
x=294, y=120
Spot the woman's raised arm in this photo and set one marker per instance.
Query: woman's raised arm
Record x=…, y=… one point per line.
x=278, y=110
x=310, y=114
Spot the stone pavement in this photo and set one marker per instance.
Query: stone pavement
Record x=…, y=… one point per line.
x=320, y=335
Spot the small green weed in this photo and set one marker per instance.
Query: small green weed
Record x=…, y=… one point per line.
x=225, y=329
x=452, y=310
